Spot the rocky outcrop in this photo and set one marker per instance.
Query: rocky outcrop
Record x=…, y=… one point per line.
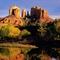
x=13, y=18
x=14, y=10
x=23, y=13
x=36, y=14
x=46, y=58
x=0, y=18
x=48, y=20
x=40, y=13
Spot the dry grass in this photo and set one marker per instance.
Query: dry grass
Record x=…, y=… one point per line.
x=16, y=48
x=17, y=45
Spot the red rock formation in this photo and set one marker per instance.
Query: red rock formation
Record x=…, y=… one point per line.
x=14, y=10
x=0, y=18
x=23, y=13
x=40, y=13
x=46, y=58
x=18, y=57
x=36, y=12
x=12, y=20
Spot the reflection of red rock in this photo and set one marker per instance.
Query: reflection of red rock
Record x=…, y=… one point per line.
x=14, y=10
x=14, y=17
x=39, y=12
x=46, y=20
x=46, y=58
x=18, y=57
x=0, y=18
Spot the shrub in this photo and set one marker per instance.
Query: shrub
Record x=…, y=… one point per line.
x=5, y=51
x=24, y=32
x=9, y=31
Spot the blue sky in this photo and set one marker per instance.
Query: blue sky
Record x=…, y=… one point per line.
x=52, y=6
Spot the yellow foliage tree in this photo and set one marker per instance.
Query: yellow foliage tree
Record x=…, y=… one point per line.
x=9, y=31
x=14, y=32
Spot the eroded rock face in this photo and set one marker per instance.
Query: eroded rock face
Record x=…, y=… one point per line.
x=47, y=20
x=40, y=13
x=14, y=10
x=23, y=13
x=46, y=58
x=36, y=14
x=0, y=18
x=12, y=20
x=14, y=17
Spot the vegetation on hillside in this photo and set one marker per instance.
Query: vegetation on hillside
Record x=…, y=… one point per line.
x=9, y=32
x=32, y=33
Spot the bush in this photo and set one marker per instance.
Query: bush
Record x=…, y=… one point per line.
x=24, y=32
x=13, y=32
x=5, y=51
x=9, y=31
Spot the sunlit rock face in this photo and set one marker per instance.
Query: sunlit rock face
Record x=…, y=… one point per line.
x=14, y=10
x=24, y=13
x=12, y=20
x=13, y=17
x=37, y=14
x=40, y=13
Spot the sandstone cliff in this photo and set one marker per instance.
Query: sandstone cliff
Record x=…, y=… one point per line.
x=13, y=17
x=40, y=13
x=36, y=14
x=23, y=13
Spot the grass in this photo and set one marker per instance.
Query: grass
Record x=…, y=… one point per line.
x=17, y=45
x=15, y=49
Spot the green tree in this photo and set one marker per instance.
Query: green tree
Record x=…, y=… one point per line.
x=42, y=29
x=9, y=31
x=4, y=31
x=24, y=33
x=5, y=51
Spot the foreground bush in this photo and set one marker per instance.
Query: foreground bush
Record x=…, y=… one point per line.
x=9, y=31
x=5, y=51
